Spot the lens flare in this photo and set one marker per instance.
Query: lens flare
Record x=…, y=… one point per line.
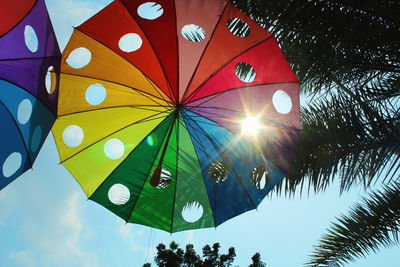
x=250, y=126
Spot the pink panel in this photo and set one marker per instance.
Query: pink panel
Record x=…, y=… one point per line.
x=224, y=46
x=201, y=13
x=278, y=130
x=268, y=62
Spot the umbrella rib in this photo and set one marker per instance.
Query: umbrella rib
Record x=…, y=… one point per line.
x=203, y=53
x=20, y=133
x=216, y=123
x=29, y=58
x=117, y=83
x=168, y=109
x=176, y=182
x=192, y=94
x=151, y=45
x=212, y=96
x=147, y=119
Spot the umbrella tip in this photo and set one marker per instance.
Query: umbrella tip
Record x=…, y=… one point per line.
x=155, y=178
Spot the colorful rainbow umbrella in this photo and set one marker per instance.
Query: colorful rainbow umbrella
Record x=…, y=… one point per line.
x=29, y=61
x=176, y=114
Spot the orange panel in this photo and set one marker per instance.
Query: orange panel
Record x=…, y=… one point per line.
x=106, y=65
x=109, y=34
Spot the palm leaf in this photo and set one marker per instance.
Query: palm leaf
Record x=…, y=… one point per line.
x=372, y=224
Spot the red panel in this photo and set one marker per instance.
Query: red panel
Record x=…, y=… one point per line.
x=161, y=33
x=268, y=62
x=225, y=46
x=202, y=13
x=11, y=13
x=109, y=34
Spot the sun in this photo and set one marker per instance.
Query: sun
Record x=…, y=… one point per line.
x=250, y=126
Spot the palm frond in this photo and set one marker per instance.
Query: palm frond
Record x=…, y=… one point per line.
x=372, y=224
x=341, y=138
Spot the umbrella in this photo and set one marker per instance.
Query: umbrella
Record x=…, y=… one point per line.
x=29, y=61
x=176, y=114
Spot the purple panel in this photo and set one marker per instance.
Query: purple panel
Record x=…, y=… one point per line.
x=30, y=74
x=12, y=45
x=255, y=100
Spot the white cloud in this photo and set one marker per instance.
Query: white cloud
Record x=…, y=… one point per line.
x=57, y=242
x=24, y=257
x=126, y=231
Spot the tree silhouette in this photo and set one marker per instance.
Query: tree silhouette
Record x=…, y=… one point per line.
x=177, y=257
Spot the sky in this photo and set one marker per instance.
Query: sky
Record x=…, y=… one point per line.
x=46, y=220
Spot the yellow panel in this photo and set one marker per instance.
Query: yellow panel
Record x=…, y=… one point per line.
x=99, y=124
x=107, y=65
x=72, y=96
x=91, y=167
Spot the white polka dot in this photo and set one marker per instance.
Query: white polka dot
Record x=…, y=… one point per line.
x=193, y=33
x=130, y=42
x=119, y=194
x=79, y=58
x=245, y=72
x=150, y=10
x=73, y=136
x=238, y=27
x=192, y=212
x=12, y=164
x=31, y=39
x=114, y=149
x=24, y=112
x=95, y=94
x=282, y=102
x=49, y=80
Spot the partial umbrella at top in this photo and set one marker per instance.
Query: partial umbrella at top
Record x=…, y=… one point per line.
x=176, y=114
x=29, y=60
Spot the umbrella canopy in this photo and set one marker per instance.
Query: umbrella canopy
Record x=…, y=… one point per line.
x=176, y=114
x=29, y=60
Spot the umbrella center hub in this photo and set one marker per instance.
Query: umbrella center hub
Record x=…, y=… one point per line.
x=178, y=107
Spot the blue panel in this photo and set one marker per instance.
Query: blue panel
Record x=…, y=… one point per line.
x=11, y=144
x=236, y=194
x=34, y=120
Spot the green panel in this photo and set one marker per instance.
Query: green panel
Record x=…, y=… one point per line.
x=155, y=206
x=131, y=174
x=190, y=189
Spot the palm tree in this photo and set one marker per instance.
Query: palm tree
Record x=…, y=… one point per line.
x=347, y=56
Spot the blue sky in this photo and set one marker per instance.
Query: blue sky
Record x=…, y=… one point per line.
x=45, y=219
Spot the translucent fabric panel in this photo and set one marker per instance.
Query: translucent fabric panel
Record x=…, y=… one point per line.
x=266, y=59
x=90, y=127
x=132, y=174
x=161, y=32
x=105, y=64
x=225, y=46
x=113, y=23
x=86, y=94
x=204, y=14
